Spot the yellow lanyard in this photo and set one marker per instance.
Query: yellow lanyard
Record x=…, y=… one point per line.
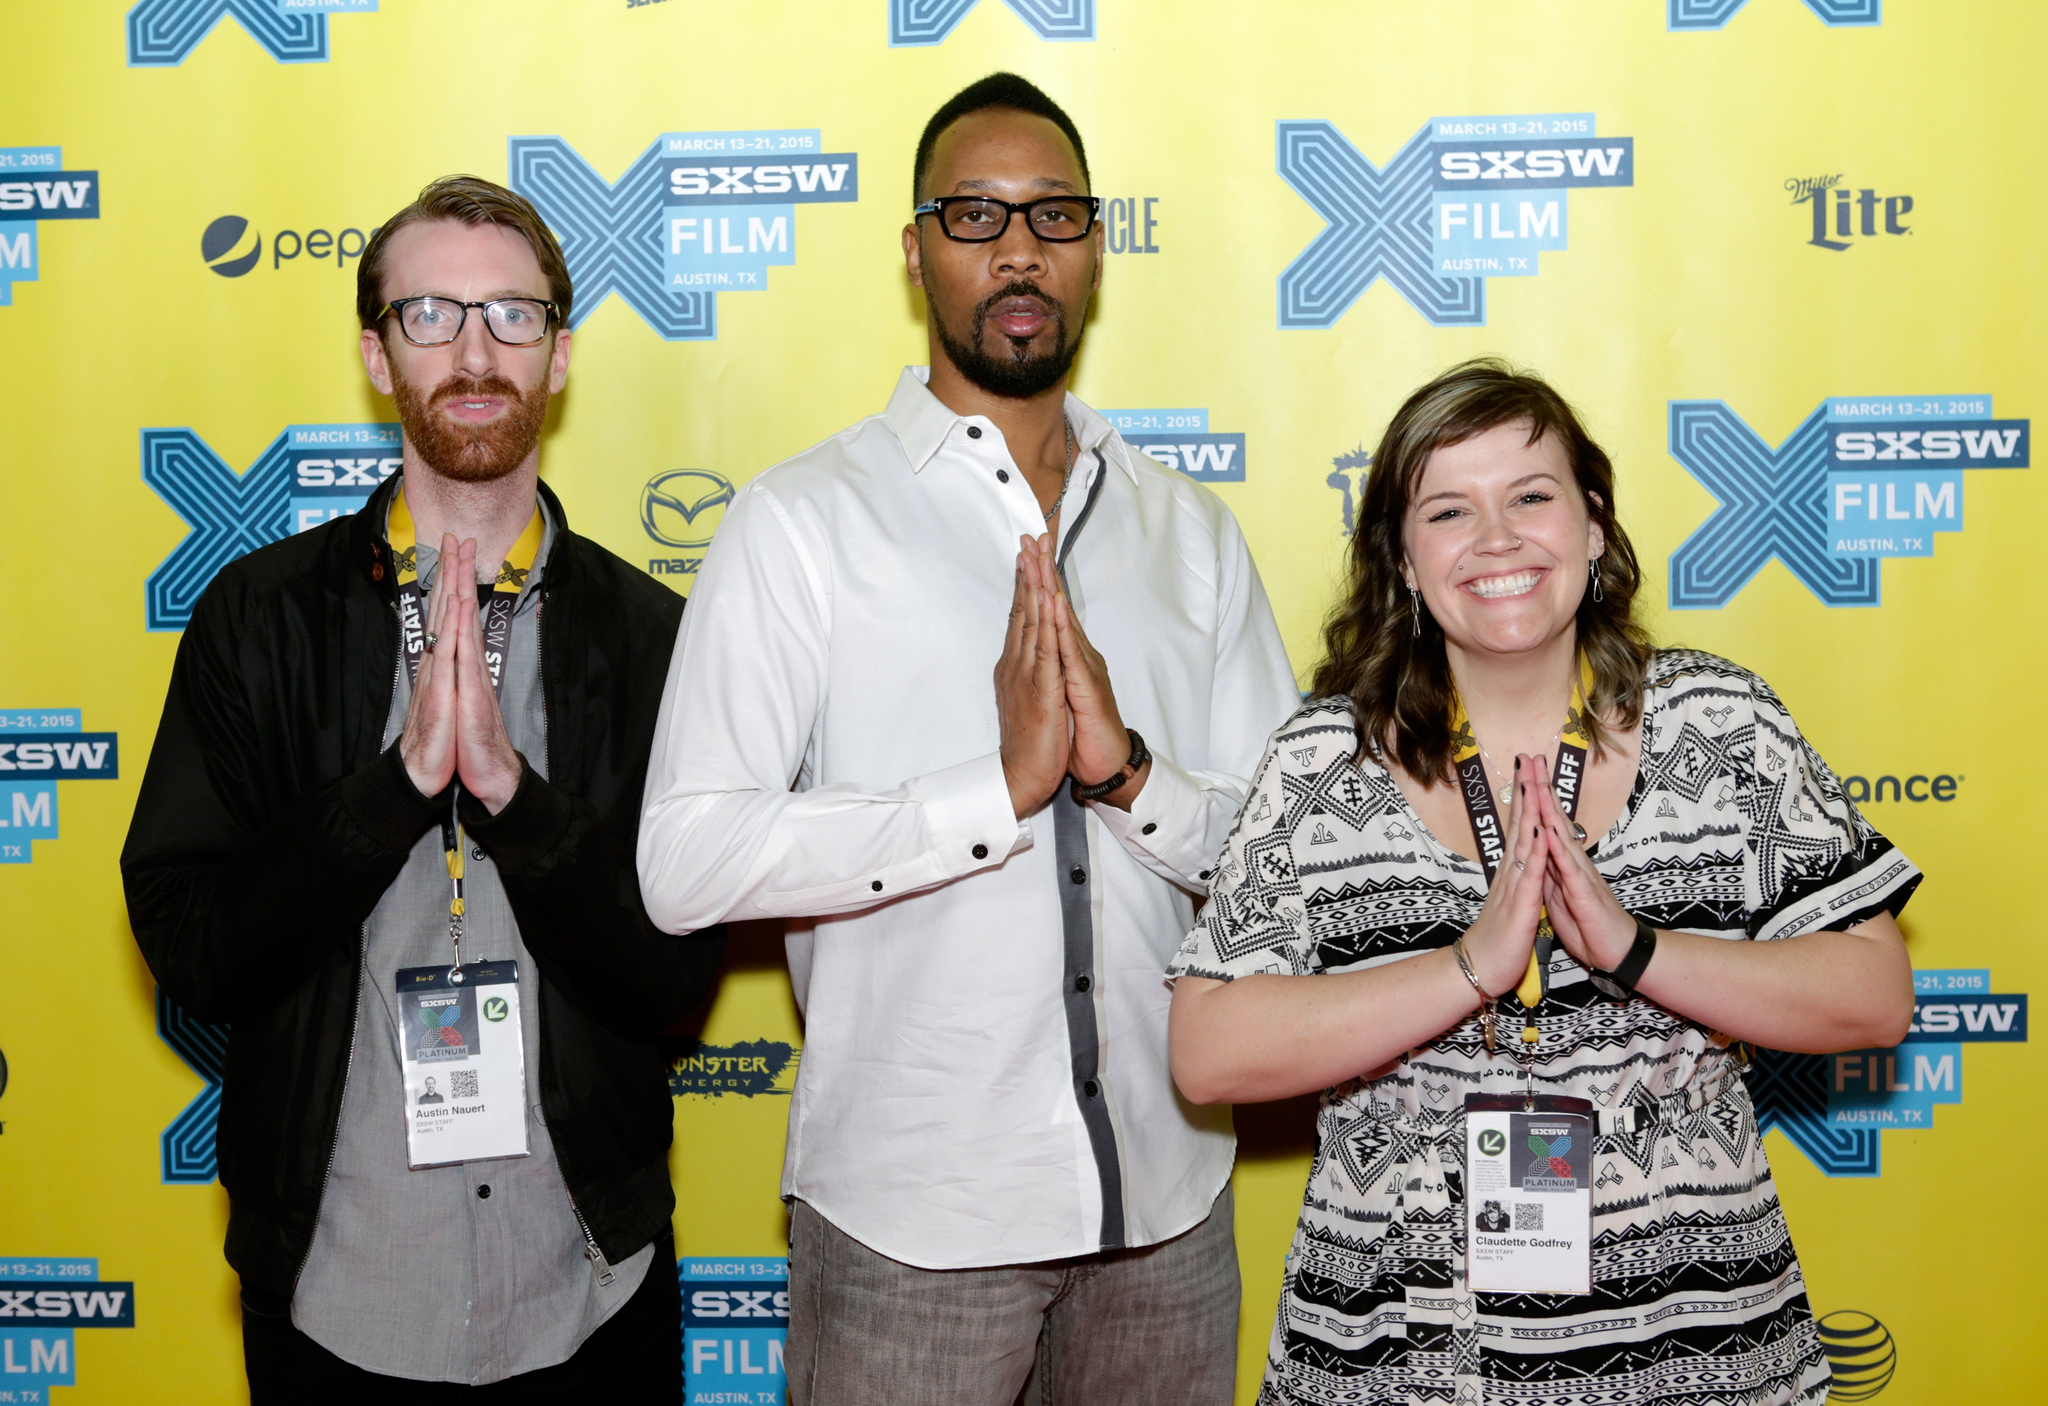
x=497, y=634
x=1568, y=775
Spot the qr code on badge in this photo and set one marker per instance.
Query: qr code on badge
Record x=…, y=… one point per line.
x=1528, y=1214
x=462, y=1084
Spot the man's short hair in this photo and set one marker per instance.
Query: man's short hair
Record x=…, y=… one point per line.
x=472, y=201
x=998, y=90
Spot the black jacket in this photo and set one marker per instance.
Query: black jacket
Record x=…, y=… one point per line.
x=270, y=823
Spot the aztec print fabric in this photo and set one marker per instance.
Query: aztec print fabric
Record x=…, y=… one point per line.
x=1735, y=829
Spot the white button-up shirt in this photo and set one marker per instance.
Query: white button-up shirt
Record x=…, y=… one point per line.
x=984, y=1079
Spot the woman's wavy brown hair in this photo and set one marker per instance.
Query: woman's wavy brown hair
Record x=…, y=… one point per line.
x=1399, y=683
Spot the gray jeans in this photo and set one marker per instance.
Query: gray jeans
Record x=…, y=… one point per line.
x=1155, y=1326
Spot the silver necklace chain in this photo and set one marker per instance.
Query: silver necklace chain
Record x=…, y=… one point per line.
x=1507, y=790
x=1068, y=476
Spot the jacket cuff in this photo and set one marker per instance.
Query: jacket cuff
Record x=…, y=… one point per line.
x=530, y=826
x=384, y=804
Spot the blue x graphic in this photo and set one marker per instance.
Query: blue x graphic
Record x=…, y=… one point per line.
x=229, y=514
x=611, y=234
x=1791, y=1095
x=930, y=21
x=162, y=32
x=1712, y=14
x=1379, y=228
x=1773, y=504
x=189, y=1141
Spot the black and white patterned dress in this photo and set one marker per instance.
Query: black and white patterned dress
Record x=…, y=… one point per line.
x=1735, y=829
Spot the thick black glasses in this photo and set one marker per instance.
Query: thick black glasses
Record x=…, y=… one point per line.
x=976, y=219
x=435, y=322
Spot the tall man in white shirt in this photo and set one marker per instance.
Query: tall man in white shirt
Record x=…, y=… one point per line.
x=991, y=1172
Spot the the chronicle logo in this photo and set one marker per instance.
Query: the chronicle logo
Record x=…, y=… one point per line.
x=1181, y=439
x=1854, y=213
x=1712, y=14
x=1832, y=1107
x=697, y=214
x=930, y=21
x=1864, y=478
x=38, y=748
x=231, y=247
x=162, y=32
x=34, y=186
x=681, y=509
x=1467, y=199
x=309, y=475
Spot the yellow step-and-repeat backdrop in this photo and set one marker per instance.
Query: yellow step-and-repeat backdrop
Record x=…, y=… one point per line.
x=1786, y=255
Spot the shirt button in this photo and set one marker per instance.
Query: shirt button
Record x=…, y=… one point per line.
x=483, y=1193
x=476, y=852
x=1091, y=1088
x=974, y=432
x=980, y=851
x=1002, y=475
x=1150, y=826
x=877, y=884
x=1082, y=983
x=1207, y=872
x=1080, y=875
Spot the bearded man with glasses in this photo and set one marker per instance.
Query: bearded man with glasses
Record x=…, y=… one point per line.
x=991, y=1177
x=386, y=834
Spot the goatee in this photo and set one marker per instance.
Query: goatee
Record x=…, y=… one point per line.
x=1017, y=372
x=471, y=453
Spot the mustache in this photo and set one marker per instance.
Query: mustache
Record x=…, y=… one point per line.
x=459, y=387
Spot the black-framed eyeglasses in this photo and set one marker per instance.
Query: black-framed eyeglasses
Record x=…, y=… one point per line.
x=435, y=322
x=976, y=219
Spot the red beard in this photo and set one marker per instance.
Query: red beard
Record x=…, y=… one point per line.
x=471, y=453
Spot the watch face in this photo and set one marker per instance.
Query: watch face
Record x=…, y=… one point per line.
x=1609, y=987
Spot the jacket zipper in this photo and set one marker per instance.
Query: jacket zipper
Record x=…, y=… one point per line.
x=591, y=1252
x=347, y=1072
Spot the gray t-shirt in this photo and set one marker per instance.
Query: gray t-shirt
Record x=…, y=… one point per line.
x=475, y=1272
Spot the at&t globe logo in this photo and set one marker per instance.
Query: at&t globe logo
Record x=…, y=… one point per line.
x=682, y=509
x=1860, y=1352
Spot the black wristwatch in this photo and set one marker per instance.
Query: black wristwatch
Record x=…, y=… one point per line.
x=1139, y=756
x=1620, y=984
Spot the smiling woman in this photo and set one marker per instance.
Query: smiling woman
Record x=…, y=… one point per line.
x=1499, y=786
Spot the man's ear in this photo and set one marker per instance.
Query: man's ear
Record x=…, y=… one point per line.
x=375, y=360
x=913, y=253
x=558, y=362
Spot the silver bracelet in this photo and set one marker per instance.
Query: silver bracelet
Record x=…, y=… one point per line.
x=1485, y=1001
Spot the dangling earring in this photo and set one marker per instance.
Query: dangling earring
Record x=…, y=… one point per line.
x=1593, y=570
x=1415, y=611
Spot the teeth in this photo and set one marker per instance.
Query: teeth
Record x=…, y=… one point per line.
x=1498, y=587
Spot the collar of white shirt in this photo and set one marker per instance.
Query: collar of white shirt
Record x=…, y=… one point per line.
x=921, y=422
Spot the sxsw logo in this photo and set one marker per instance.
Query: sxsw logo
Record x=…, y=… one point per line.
x=42, y=1302
x=1834, y=1106
x=1864, y=478
x=35, y=187
x=698, y=213
x=1180, y=439
x=1712, y=14
x=38, y=748
x=1854, y=213
x=1467, y=199
x=735, y=1327
x=930, y=21
x=309, y=475
x=162, y=32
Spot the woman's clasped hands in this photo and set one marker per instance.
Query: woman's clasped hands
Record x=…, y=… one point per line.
x=1545, y=869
